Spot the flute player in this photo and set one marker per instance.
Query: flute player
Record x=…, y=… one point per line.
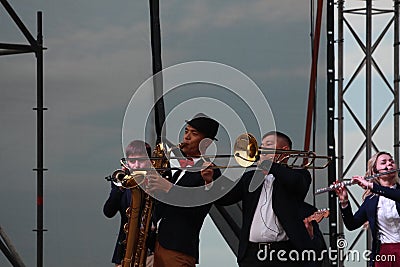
x=380, y=208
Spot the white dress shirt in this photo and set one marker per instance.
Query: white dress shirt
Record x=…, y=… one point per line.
x=266, y=226
x=388, y=221
x=174, y=163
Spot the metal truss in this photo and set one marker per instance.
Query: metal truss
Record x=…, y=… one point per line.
x=363, y=37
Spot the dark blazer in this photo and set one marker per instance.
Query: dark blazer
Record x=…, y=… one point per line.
x=290, y=188
x=368, y=212
x=118, y=201
x=179, y=228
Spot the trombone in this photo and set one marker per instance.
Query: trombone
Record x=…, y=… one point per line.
x=246, y=153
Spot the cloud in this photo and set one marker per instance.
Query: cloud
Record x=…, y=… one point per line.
x=198, y=15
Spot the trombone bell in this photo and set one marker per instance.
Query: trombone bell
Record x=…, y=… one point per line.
x=246, y=150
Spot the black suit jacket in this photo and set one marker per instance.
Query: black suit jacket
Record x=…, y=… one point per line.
x=179, y=228
x=290, y=188
x=118, y=201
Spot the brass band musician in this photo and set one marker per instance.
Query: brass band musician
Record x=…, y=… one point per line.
x=120, y=198
x=380, y=209
x=179, y=227
x=271, y=220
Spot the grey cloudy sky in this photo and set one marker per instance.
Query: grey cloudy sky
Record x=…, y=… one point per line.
x=98, y=55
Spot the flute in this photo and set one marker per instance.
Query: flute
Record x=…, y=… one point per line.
x=350, y=182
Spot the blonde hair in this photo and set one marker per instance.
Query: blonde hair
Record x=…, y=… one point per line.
x=371, y=170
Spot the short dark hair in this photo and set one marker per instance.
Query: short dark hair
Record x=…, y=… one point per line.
x=280, y=135
x=138, y=147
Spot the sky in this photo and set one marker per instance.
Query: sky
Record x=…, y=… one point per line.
x=98, y=56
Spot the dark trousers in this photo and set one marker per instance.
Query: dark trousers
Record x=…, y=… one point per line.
x=279, y=254
x=170, y=258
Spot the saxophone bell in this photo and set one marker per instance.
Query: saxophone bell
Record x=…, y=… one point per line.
x=117, y=176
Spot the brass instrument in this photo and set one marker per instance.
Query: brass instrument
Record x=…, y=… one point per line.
x=127, y=179
x=132, y=227
x=332, y=187
x=117, y=176
x=140, y=212
x=247, y=152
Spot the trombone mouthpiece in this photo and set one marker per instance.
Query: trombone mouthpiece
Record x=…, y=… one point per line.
x=181, y=145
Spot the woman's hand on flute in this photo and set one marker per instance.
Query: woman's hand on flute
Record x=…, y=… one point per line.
x=341, y=192
x=360, y=180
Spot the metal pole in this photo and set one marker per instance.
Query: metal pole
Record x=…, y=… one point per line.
x=9, y=250
x=396, y=77
x=330, y=28
x=340, y=116
x=35, y=46
x=39, y=169
x=368, y=88
x=159, y=110
x=368, y=80
x=340, y=88
x=313, y=76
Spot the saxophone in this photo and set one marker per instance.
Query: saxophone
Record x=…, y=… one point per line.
x=140, y=212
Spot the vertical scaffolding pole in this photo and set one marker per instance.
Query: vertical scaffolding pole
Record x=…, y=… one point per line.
x=368, y=93
x=36, y=46
x=368, y=80
x=159, y=109
x=340, y=82
x=40, y=132
x=396, y=81
x=330, y=29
